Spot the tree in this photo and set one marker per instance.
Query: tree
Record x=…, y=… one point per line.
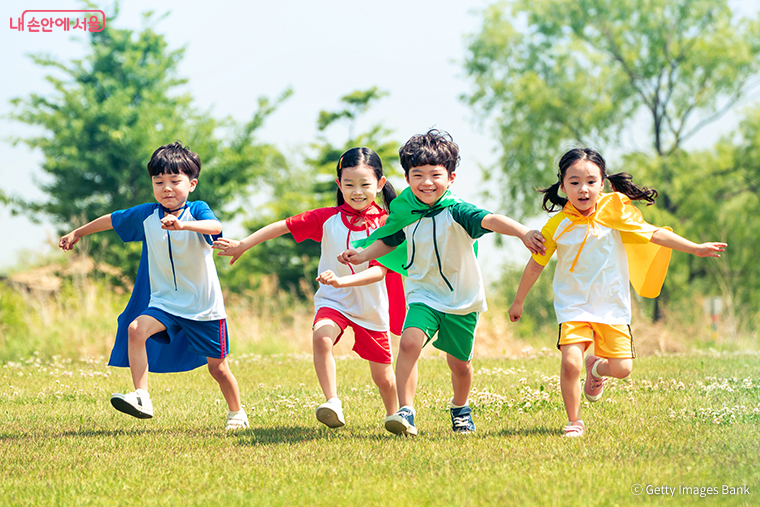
x=109, y=112
x=296, y=189
x=581, y=71
x=569, y=72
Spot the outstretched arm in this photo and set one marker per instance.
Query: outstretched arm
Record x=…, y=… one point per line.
x=173, y=223
x=375, y=250
x=533, y=240
x=529, y=277
x=669, y=239
x=233, y=248
x=68, y=241
x=366, y=277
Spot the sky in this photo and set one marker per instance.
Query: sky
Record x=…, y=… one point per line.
x=321, y=49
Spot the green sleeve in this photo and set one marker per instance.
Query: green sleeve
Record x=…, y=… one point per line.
x=470, y=218
x=395, y=239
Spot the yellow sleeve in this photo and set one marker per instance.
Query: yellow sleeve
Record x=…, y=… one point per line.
x=548, y=232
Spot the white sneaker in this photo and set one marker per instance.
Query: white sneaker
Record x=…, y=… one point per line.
x=331, y=414
x=237, y=421
x=134, y=404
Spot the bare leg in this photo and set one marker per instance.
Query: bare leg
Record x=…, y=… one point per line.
x=461, y=379
x=220, y=370
x=570, y=378
x=385, y=380
x=325, y=334
x=615, y=367
x=140, y=329
x=410, y=348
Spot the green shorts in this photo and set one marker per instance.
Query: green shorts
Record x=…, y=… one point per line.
x=456, y=333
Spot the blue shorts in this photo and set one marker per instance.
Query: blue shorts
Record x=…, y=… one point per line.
x=207, y=338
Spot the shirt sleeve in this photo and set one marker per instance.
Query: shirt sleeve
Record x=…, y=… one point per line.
x=470, y=217
x=308, y=225
x=395, y=239
x=548, y=233
x=201, y=211
x=128, y=223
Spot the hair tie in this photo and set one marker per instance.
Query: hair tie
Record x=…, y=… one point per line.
x=340, y=162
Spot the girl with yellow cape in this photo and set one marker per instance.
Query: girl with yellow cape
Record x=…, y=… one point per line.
x=603, y=247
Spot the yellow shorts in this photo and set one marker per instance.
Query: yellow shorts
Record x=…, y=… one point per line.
x=610, y=341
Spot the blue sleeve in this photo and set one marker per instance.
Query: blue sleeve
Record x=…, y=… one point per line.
x=201, y=211
x=128, y=223
x=470, y=217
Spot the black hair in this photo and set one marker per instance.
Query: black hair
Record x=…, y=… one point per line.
x=174, y=158
x=620, y=182
x=433, y=148
x=356, y=157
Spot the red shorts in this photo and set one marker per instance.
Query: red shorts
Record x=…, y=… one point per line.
x=370, y=345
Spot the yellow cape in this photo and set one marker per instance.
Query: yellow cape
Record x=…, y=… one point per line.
x=647, y=262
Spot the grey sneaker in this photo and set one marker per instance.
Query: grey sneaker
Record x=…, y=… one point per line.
x=402, y=422
x=136, y=405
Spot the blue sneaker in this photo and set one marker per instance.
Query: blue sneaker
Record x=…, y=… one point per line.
x=402, y=422
x=461, y=420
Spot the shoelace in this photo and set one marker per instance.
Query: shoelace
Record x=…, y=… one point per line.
x=597, y=382
x=462, y=421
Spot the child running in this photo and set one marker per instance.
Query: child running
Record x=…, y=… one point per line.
x=177, y=300
x=347, y=296
x=602, y=242
x=444, y=286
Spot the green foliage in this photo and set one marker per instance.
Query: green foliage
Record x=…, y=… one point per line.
x=553, y=73
x=557, y=73
x=109, y=112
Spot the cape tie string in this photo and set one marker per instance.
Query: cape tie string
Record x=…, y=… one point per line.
x=169, y=238
x=354, y=217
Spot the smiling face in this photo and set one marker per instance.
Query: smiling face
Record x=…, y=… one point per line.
x=583, y=184
x=172, y=190
x=429, y=182
x=359, y=186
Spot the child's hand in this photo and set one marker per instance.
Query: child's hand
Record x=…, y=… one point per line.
x=350, y=257
x=67, y=242
x=171, y=223
x=534, y=241
x=710, y=249
x=515, y=311
x=330, y=278
x=229, y=248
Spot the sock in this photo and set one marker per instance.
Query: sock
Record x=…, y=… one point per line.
x=335, y=401
x=594, y=372
x=142, y=392
x=232, y=414
x=451, y=404
x=410, y=408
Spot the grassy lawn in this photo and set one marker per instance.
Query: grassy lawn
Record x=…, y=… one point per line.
x=688, y=421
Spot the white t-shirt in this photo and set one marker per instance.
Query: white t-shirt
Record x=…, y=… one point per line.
x=365, y=305
x=444, y=273
x=183, y=277
x=598, y=289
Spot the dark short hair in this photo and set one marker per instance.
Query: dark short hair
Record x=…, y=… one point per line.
x=433, y=148
x=174, y=158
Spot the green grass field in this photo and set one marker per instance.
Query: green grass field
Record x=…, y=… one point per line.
x=691, y=421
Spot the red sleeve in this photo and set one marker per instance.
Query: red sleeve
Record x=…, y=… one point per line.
x=308, y=225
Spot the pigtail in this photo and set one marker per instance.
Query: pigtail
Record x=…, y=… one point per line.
x=623, y=183
x=551, y=195
x=389, y=193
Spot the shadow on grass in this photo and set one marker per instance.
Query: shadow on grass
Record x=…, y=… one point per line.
x=93, y=433
x=279, y=435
